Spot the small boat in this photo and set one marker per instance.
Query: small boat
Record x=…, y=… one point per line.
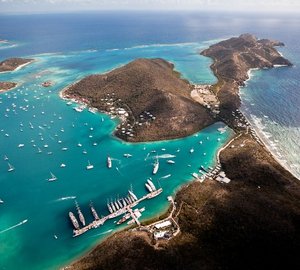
x=62, y=165
x=119, y=203
x=113, y=207
x=195, y=175
x=109, y=208
x=95, y=214
x=52, y=178
x=5, y=157
x=132, y=195
x=116, y=205
x=55, y=236
x=192, y=150
x=123, y=219
x=126, y=200
x=92, y=110
x=81, y=217
x=79, y=108
x=21, y=145
x=130, y=199
x=170, y=161
x=74, y=220
x=10, y=167
x=155, y=166
x=148, y=187
x=89, y=166
x=109, y=162
x=151, y=184
x=1, y=201
x=127, y=155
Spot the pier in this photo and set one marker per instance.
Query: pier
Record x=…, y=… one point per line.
x=128, y=208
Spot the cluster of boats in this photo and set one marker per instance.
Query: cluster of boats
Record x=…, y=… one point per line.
x=130, y=199
x=108, y=163
x=150, y=186
x=116, y=208
x=81, y=217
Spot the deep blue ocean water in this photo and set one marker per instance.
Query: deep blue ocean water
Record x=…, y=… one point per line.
x=67, y=47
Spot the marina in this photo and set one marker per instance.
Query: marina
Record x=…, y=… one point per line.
x=116, y=209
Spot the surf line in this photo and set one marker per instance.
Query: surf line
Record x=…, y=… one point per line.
x=12, y=227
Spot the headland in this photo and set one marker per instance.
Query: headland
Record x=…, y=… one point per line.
x=233, y=59
x=6, y=86
x=12, y=64
x=251, y=223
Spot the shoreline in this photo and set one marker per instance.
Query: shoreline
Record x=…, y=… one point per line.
x=260, y=133
x=19, y=67
x=267, y=144
x=23, y=65
x=158, y=216
x=8, y=90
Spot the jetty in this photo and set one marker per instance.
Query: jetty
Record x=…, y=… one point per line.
x=123, y=210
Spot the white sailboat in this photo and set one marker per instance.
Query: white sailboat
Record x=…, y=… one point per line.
x=52, y=178
x=151, y=184
x=170, y=161
x=155, y=166
x=109, y=162
x=89, y=166
x=10, y=167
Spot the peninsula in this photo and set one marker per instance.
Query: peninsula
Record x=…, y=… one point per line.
x=12, y=64
x=233, y=59
x=251, y=223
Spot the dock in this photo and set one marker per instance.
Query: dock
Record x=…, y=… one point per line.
x=99, y=222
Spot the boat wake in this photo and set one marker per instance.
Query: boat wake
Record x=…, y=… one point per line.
x=166, y=176
x=106, y=232
x=119, y=171
x=15, y=226
x=165, y=156
x=66, y=198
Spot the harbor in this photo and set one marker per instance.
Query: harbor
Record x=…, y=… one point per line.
x=53, y=155
x=116, y=209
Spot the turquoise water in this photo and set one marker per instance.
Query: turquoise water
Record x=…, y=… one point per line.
x=68, y=47
x=271, y=102
x=26, y=193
